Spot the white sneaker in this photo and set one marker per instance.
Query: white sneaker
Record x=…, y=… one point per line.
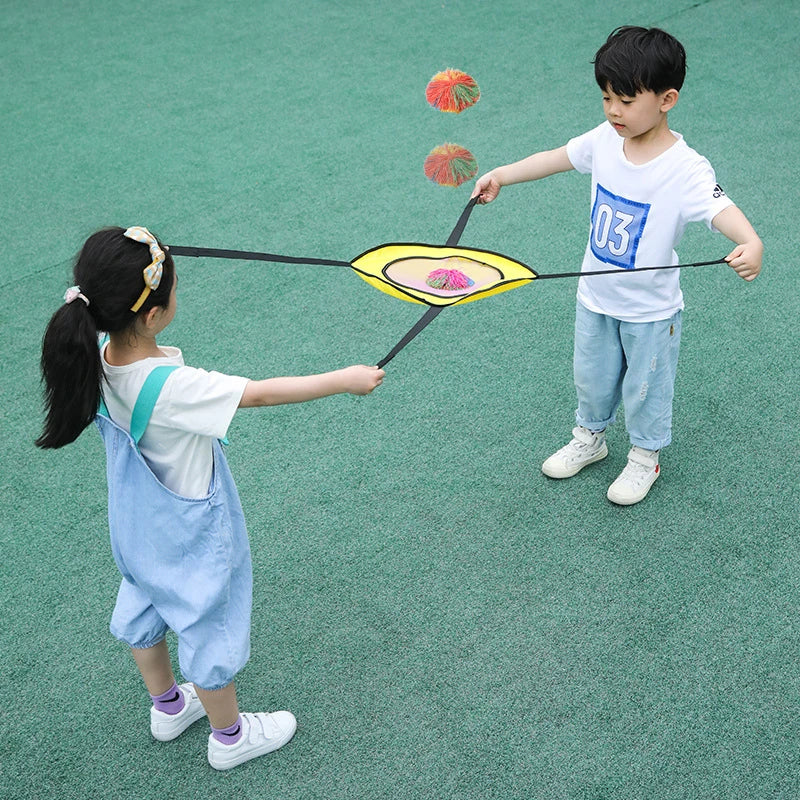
x=166, y=727
x=585, y=448
x=261, y=734
x=635, y=480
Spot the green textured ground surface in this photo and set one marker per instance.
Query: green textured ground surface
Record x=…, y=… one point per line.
x=444, y=621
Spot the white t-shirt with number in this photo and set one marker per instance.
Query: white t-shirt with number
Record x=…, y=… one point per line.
x=639, y=213
x=194, y=408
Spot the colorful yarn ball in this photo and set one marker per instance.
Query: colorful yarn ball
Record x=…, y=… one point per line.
x=450, y=165
x=449, y=279
x=452, y=91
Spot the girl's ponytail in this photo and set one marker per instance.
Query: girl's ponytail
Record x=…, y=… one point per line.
x=71, y=372
x=110, y=271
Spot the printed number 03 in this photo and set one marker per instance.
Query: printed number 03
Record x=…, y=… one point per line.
x=602, y=230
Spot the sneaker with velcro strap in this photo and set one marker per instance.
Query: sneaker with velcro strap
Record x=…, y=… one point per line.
x=635, y=480
x=166, y=727
x=585, y=448
x=261, y=734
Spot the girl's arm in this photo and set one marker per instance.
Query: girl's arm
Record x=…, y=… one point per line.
x=276, y=391
x=745, y=258
x=539, y=165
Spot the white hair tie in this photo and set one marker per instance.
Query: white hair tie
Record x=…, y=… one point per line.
x=73, y=293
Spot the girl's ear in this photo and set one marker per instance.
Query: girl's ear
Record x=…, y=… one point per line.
x=150, y=317
x=669, y=99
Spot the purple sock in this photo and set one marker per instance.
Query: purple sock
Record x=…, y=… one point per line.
x=171, y=702
x=229, y=735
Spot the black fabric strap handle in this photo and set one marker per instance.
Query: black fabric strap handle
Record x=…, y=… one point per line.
x=618, y=271
x=453, y=238
x=421, y=323
x=246, y=255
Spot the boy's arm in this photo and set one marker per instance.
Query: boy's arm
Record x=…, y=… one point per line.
x=276, y=391
x=745, y=258
x=539, y=165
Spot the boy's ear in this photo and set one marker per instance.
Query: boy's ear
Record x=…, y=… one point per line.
x=669, y=99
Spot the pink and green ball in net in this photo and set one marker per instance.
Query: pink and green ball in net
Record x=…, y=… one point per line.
x=450, y=280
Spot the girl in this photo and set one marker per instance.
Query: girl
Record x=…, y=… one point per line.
x=177, y=531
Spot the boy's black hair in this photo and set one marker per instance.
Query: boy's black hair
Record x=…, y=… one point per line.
x=635, y=59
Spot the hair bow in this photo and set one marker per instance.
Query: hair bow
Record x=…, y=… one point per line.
x=153, y=271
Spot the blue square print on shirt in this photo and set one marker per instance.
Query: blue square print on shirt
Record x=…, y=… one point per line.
x=617, y=227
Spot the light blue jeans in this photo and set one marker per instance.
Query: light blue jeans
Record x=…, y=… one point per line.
x=629, y=362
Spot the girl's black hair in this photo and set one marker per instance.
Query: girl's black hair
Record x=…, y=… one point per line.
x=109, y=272
x=637, y=59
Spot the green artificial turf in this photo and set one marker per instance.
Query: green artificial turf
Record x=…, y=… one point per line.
x=444, y=621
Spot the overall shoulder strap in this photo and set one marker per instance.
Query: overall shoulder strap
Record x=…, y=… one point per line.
x=102, y=409
x=146, y=401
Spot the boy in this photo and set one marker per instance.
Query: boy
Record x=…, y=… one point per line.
x=646, y=185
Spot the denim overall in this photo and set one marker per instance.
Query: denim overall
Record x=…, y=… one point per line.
x=185, y=562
